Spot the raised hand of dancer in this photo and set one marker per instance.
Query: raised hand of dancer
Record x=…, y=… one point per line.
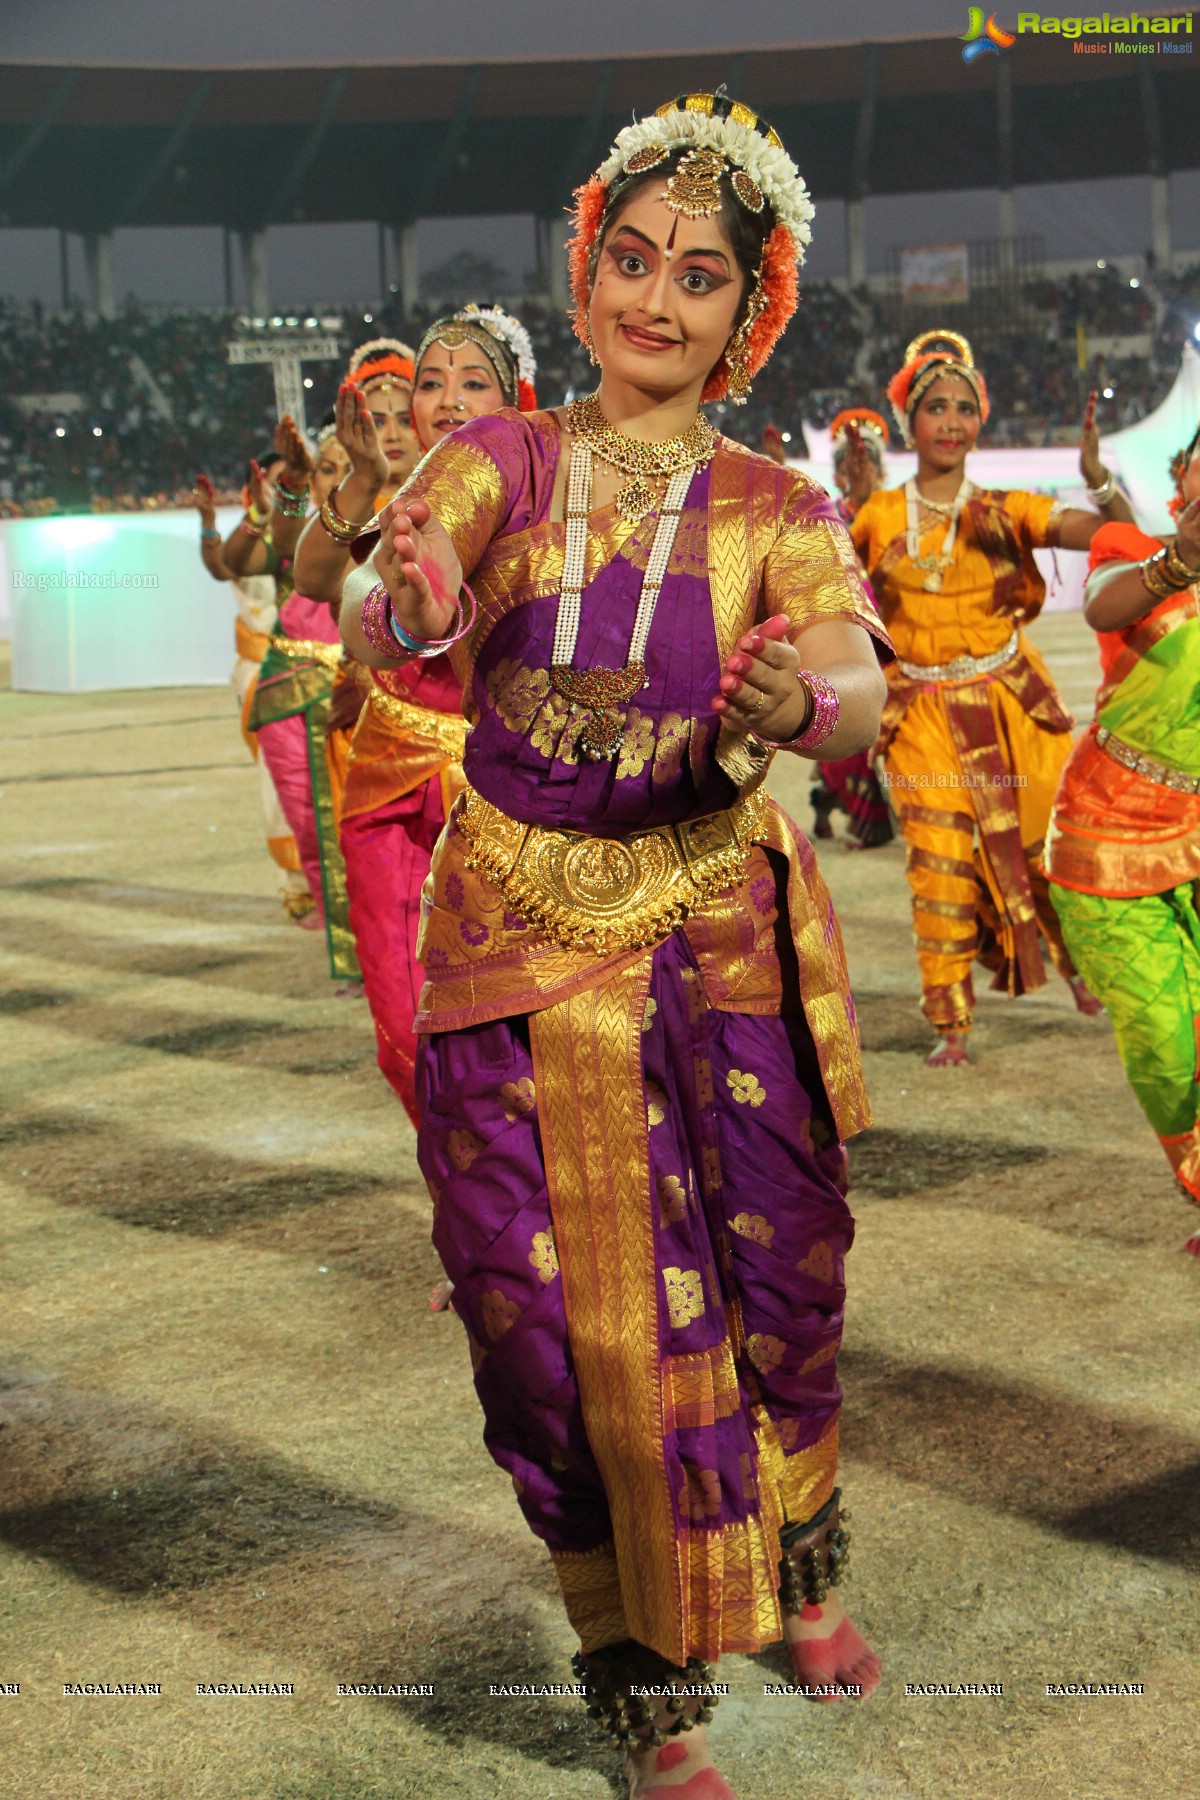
x=1090, y=465
x=418, y=565
x=1187, y=535
x=358, y=437
x=858, y=469
x=257, y=494
x=297, y=469
x=204, y=500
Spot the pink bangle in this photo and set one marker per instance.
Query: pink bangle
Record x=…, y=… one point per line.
x=823, y=718
x=390, y=639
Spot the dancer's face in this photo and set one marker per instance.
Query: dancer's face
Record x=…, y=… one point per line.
x=451, y=387
x=666, y=297
x=332, y=464
x=390, y=406
x=946, y=423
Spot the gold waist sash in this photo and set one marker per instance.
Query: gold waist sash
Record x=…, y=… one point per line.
x=1164, y=774
x=608, y=894
x=308, y=650
x=447, y=730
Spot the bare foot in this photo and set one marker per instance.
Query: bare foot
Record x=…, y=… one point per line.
x=1085, y=1001
x=950, y=1052
x=821, y=826
x=680, y=1769
x=439, y=1299
x=1192, y=1246
x=311, y=920
x=348, y=990
x=828, y=1653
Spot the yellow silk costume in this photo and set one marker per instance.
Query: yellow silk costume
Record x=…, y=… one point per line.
x=972, y=764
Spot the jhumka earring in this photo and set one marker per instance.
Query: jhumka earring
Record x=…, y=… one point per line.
x=737, y=350
x=588, y=344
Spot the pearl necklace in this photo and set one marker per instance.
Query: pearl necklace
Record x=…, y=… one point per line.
x=603, y=692
x=937, y=561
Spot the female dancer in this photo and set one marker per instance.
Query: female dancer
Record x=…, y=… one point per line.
x=291, y=702
x=405, y=765
x=852, y=784
x=974, y=731
x=1123, y=850
x=641, y=1055
x=257, y=615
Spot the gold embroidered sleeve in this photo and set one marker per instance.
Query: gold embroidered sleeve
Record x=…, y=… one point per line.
x=466, y=494
x=813, y=574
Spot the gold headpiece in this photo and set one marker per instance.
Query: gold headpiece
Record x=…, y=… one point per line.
x=927, y=340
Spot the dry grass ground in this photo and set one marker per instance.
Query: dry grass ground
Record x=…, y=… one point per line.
x=234, y=1446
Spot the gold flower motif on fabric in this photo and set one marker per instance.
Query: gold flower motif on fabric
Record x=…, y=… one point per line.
x=685, y=1296
x=656, y=1102
x=500, y=1313
x=754, y=1227
x=672, y=1199
x=745, y=1088
x=818, y=1263
x=765, y=1352
x=464, y=1148
x=637, y=745
x=517, y=693
x=544, y=1255
x=518, y=1098
x=648, y=1015
x=700, y=1496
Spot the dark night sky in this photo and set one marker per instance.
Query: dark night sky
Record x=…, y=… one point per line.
x=338, y=263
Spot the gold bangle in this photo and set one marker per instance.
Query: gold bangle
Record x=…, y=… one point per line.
x=1177, y=568
x=342, y=531
x=1156, y=577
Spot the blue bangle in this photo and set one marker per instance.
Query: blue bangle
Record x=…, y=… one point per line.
x=209, y=533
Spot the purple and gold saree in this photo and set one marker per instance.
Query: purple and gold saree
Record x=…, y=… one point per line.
x=636, y=1157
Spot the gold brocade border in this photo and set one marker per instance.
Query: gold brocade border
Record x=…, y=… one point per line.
x=591, y=1591
x=700, y=1388
x=343, y=959
x=308, y=650
x=587, y=1058
x=1141, y=641
x=447, y=730
x=807, y=1477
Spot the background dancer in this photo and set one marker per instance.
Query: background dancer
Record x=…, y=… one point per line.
x=1123, y=851
x=406, y=763
x=852, y=784
x=257, y=615
x=974, y=733
x=630, y=1120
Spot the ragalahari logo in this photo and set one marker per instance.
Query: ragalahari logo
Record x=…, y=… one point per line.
x=984, y=40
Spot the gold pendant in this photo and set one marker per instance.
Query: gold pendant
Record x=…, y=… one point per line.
x=635, y=499
x=602, y=735
x=933, y=582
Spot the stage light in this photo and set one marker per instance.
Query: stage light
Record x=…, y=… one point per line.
x=308, y=381
x=277, y=320
x=291, y=321
x=1196, y=331
x=1100, y=263
x=60, y=431
x=1134, y=282
x=368, y=318
x=1108, y=393
x=97, y=431
x=787, y=437
x=310, y=324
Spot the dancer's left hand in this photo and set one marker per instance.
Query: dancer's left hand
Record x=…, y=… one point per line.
x=759, y=689
x=297, y=463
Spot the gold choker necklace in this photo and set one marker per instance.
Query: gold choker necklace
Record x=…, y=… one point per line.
x=646, y=463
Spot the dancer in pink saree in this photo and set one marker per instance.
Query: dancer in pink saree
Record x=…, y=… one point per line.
x=639, y=1058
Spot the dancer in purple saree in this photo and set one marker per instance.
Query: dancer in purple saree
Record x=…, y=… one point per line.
x=639, y=1058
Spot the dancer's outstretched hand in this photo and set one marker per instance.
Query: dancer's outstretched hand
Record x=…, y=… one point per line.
x=759, y=689
x=418, y=565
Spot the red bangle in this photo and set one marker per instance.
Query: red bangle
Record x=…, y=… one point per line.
x=824, y=710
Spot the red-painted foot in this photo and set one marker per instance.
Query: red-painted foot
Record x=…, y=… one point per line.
x=1085, y=1001
x=681, y=1770
x=1192, y=1246
x=839, y=1666
x=439, y=1299
x=950, y=1052
x=310, y=921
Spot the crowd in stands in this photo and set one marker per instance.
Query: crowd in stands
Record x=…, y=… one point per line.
x=130, y=408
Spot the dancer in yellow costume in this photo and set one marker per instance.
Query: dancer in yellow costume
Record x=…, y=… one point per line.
x=974, y=732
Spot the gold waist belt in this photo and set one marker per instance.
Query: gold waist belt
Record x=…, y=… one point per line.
x=606, y=894
x=963, y=668
x=447, y=730
x=1129, y=758
x=308, y=650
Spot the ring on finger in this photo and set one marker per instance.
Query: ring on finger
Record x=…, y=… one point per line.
x=759, y=703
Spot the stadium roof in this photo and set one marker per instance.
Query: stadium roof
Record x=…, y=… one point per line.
x=89, y=149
